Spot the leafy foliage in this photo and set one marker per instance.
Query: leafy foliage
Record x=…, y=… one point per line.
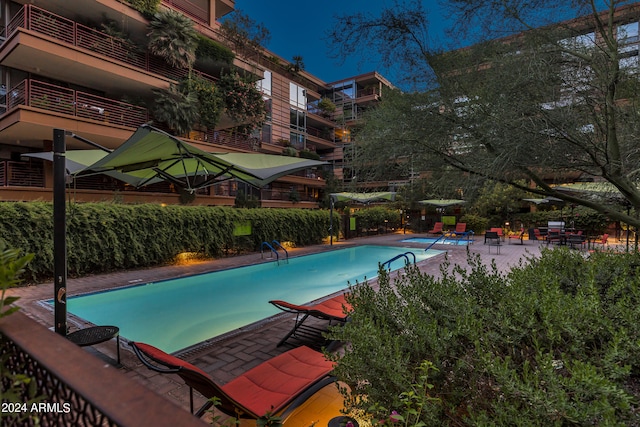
x=14, y=386
x=177, y=108
x=377, y=217
x=553, y=342
x=12, y=266
x=146, y=7
x=104, y=237
x=242, y=100
x=210, y=102
x=531, y=100
x=210, y=50
x=243, y=31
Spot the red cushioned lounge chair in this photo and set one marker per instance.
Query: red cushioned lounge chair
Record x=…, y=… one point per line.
x=334, y=309
x=277, y=385
x=437, y=228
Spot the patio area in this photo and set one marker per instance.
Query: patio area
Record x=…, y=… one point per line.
x=230, y=355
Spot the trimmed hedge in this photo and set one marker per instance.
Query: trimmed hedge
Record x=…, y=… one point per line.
x=104, y=237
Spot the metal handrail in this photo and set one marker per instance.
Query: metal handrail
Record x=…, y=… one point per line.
x=404, y=255
x=436, y=241
x=270, y=248
x=286, y=253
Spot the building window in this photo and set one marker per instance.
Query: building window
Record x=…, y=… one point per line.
x=297, y=120
x=628, y=34
x=268, y=105
x=297, y=96
x=297, y=140
x=266, y=133
x=265, y=84
x=628, y=37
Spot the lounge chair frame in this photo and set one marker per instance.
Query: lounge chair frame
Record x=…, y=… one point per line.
x=333, y=310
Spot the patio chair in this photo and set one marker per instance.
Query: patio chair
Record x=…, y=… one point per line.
x=277, y=386
x=491, y=237
x=498, y=230
x=437, y=228
x=493, y=240
x=538, y=234
x=518, y=236
x=603, y=241
x=554, y=235
x=335, y=309
x=461, y=227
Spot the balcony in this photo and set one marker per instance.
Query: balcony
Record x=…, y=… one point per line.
x=322, y=138
x=47, y=44
x=368, y=95
x=21, y=174
x=101, y=117
x=31, y=106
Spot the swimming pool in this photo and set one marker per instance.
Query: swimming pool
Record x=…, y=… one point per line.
x=178, y=313
x=431, y=240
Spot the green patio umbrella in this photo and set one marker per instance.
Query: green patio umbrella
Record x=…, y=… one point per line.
x=357, y=197
x=549, y=200
x=442, y=203
x=364, y=197
x=151, y=155
x=76, y=160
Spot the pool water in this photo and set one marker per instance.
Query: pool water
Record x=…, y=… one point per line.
x=431, y=240
x=178, y=313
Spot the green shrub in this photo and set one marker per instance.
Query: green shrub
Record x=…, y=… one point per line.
x=553, y=342
x=209, y=50
x=476, y=223
x=377, y=217
x=146, y=7
x=592, y=222
x=105, y=237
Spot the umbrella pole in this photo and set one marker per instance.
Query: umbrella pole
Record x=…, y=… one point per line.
x=331, y=222
x=59, y=233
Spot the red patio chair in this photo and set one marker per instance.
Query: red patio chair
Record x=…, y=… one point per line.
x=603, y=241
x=461, y=227
x=519, y=236
x=335, y=309
x=498, y=230
x=277, y=385
x=437, y=228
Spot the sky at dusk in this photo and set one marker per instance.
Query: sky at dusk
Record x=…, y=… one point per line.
x=300, y=27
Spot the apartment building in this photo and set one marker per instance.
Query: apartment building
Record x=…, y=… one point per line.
x=60, y=67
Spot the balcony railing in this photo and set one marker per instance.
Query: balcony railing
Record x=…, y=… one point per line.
x=188, y=8
x=50, y=97
x=287, y=196
x=368, y=91
x=21, y=174
x=70, y=32
x=63, y=382
x=320, y=133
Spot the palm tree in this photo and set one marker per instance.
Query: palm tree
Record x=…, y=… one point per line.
x=298, y=64
x=172, y=37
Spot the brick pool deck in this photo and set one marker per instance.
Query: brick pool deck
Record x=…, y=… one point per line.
x=228, y=356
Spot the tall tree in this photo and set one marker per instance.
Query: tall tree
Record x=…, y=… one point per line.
x=545, y=105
